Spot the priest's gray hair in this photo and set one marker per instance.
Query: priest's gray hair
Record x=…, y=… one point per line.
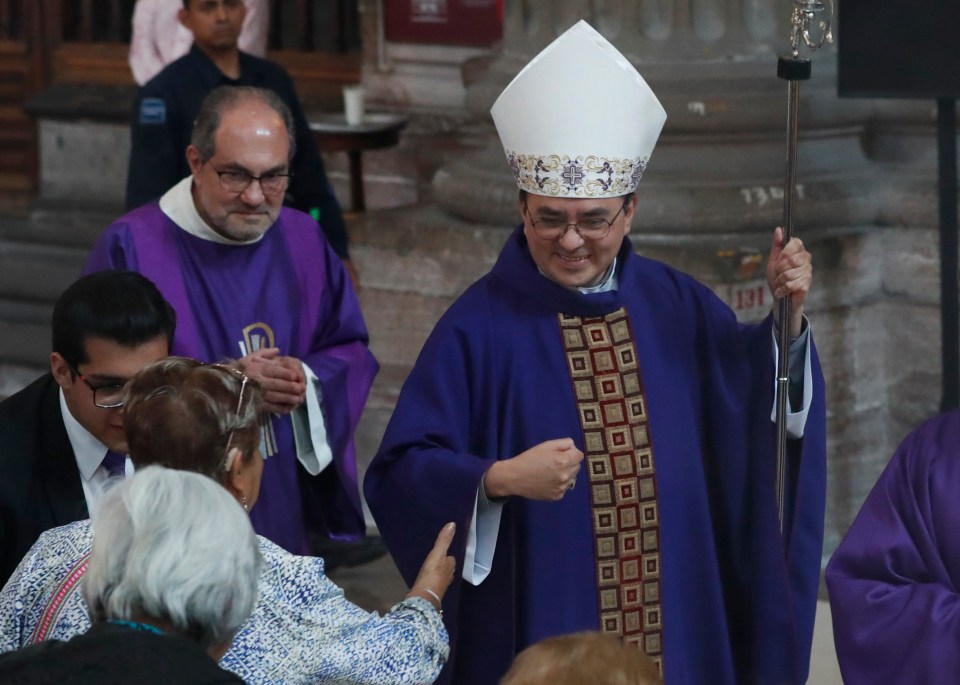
x=175, y=546
x=223, y=99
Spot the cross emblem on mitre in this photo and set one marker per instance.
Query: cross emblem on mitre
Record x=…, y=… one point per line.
x=572, y=174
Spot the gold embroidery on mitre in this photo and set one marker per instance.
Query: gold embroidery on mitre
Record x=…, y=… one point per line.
x=593, y=176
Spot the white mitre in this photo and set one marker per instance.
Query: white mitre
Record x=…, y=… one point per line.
x=578, y=120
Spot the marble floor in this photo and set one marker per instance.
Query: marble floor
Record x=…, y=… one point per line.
x=823, y=663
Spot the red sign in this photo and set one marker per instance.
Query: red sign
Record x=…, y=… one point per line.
x=445, y=22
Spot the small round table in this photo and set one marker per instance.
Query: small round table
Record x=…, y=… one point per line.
x=376, y=131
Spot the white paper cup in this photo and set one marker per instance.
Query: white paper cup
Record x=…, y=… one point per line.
x=353, y=104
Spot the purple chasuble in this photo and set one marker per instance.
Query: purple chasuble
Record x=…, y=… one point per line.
x=894, y=581
x=737, y=598
x=290, y=291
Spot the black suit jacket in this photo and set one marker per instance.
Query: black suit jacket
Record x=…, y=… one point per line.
x=40, y=485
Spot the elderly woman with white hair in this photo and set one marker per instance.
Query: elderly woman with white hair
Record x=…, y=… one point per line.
x=206, y=418
x=166, y=592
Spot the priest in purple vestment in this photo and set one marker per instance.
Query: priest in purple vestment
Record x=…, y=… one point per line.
x=249, y=278
x=894, y=581
x=599, y=425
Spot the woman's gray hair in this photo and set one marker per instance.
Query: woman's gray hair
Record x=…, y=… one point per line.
x=175, y=546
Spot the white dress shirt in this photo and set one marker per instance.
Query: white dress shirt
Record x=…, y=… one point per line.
x=89, y=453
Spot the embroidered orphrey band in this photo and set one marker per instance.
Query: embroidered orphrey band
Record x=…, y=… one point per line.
x=602, y=361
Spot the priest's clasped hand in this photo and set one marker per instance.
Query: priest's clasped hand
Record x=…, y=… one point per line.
x=282, y=379
x=546, y=472
x=790, y=272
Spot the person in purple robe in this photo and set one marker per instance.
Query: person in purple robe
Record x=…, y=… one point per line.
x=252, y=279
x=894, y=579
x=599, y=425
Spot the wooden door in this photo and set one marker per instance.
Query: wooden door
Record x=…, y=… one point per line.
x=20, y=79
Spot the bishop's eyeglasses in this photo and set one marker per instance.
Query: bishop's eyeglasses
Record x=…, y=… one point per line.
x=588, y=228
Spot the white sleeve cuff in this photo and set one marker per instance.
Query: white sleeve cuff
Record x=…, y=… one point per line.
x=481, y=538
x=796, y=420
x=310, y=429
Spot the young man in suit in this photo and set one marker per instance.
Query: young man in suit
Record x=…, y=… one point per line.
x=61, y=437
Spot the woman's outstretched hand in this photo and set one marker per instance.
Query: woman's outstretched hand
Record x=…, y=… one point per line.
x=436, y=574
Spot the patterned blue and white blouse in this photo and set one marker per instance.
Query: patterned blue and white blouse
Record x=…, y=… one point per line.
x=302, y=630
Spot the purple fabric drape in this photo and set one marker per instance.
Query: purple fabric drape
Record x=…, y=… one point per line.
x=894, y=579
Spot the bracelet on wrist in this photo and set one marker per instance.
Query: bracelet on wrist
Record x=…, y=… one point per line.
x=436, y=597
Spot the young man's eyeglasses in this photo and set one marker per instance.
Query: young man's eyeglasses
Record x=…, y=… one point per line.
x=588, y=228
x=105, y=396
x=239, y=181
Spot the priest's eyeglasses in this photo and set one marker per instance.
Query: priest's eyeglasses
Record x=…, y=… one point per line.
x=106, y=396
x=234, y=181
x=588, y=228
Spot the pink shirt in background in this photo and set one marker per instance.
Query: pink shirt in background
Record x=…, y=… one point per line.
x=159, y=38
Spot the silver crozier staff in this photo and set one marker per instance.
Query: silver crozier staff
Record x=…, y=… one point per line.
x=810, y=24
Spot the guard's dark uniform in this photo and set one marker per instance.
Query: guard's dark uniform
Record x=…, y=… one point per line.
x=163, y=117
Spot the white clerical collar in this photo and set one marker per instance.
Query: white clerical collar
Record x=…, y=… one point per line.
x=88, y=451
x=177, y=203
x=608, y=283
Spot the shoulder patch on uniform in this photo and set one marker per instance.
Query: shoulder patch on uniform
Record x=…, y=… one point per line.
x=153, y=111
